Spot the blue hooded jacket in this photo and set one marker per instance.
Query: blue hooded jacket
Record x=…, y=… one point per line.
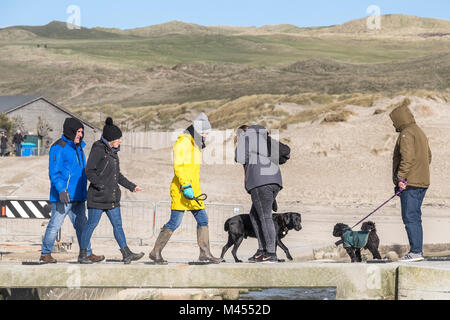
x=66, y=169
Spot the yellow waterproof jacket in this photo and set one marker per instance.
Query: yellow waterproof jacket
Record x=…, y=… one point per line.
x=187, y=158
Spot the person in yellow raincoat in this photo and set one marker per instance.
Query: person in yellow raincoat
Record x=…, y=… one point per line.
x=185, y=188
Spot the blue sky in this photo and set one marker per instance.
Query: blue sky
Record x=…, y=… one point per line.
x=139, y=13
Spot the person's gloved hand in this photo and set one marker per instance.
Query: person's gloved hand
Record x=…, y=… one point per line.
x=188, y=192
x=64, y=197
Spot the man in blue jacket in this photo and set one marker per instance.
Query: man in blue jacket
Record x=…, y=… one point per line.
x=67, y=164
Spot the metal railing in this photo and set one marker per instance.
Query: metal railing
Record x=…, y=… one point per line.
x=141, y=220
x=218, y=213
x=137, y=221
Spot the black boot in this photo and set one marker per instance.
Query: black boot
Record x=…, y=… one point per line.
x=82, y=257
x=129, y=256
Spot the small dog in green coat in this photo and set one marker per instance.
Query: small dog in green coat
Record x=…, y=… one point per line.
x=354, y=241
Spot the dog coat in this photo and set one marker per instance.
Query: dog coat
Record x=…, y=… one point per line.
x=355, y=239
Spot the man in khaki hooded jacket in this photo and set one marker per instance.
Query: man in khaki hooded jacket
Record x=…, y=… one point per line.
x=411, y=173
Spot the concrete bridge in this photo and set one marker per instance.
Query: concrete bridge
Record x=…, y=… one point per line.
x=425, y=280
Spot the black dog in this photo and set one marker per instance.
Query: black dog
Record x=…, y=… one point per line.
x=352, y=242
x=240, y=227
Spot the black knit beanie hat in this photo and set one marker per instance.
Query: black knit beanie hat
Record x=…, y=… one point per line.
x=70, y=128
x=110, y=131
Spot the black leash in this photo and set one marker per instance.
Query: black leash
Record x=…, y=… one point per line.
x=201, y=197
x=381, y=206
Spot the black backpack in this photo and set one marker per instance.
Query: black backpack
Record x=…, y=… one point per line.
x=283, y=149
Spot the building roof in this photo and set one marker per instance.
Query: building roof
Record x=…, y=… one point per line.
x=8, y=103
x=12, y=103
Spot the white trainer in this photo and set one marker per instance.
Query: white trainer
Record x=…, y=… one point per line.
x=412, y=257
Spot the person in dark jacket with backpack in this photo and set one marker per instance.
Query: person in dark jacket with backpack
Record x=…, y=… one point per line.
x=103, y=173
x=260, y=155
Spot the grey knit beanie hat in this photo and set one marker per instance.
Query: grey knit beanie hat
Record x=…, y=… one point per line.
x=201, y=123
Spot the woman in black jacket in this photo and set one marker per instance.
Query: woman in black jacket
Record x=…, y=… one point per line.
x=103, y=172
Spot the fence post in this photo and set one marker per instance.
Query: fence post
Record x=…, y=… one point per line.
x=3, y=208
x=154, y=221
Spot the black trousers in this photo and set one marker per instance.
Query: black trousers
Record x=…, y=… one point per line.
x=261, y=216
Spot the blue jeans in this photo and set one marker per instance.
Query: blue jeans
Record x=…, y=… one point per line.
x=94, y=218
x=177, y=216
x=411, y=201
x=77, y=214
x=18, y=149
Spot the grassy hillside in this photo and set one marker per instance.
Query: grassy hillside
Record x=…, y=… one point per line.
x=59, y=30
x=392, y=24
x=177, y=63
x=14, y=34
x=265, y=50
x=176, y=28
x=105, y=74
x=271, y=111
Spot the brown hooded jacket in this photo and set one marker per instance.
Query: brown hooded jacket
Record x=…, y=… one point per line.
x=412, y=154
